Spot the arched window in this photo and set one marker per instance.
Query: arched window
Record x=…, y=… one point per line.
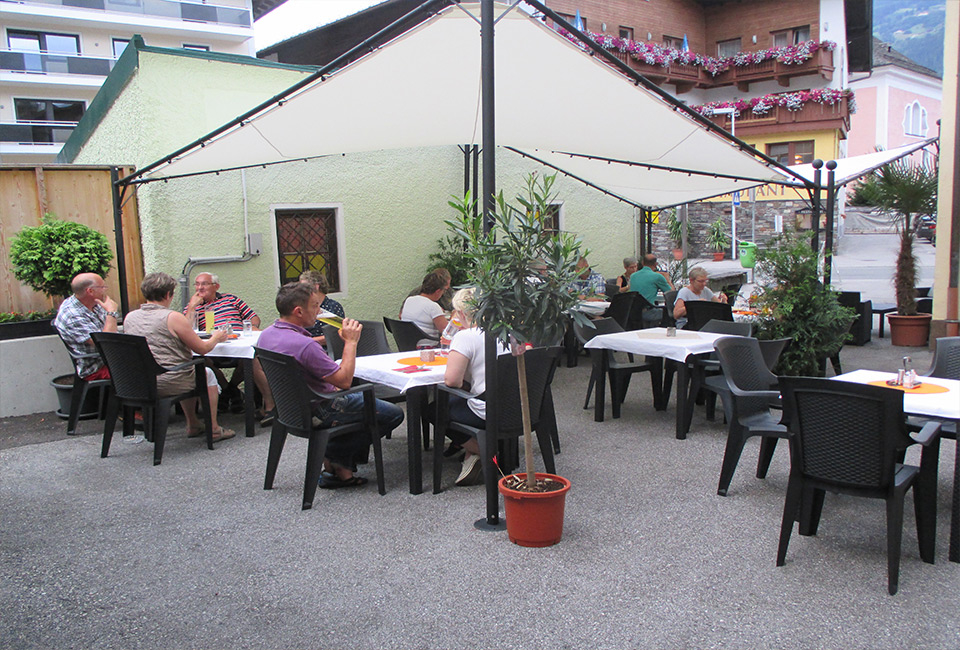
x=915, y=120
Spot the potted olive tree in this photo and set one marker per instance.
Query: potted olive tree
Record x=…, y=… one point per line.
x=718, y=238
x=907, y=189
x=523, y=274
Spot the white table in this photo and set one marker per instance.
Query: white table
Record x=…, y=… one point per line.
x=654, y=342
x=593, y=307
x=241, y=348
x=939, y=406
x=383, y=369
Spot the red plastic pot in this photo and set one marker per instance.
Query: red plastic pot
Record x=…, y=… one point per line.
x=535, y=518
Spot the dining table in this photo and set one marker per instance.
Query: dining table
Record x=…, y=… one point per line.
x=241, y=348
x=406, y=372
x=678, y=346
x=937, y=399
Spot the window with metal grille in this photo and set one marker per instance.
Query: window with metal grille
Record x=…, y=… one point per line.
x=551, y=220
x=307, y=241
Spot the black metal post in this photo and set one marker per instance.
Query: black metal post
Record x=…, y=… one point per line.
x=815, y=208
x=643, y=232
x=476, y=178
x=828, y=229
x=118, y=237
x=467, y=149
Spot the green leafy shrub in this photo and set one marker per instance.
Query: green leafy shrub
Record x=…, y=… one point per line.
x=48, y=256
x=19, y=317
x=865, y=192
x=674, y=228
x=717, y=235
x=451, y=255
x=794, y=304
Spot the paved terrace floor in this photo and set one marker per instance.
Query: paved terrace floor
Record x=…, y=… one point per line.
x=116, y=553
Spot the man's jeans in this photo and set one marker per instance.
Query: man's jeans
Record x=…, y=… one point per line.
x=349, y=450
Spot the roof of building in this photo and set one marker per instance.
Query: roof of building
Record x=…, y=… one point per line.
x=884, y=54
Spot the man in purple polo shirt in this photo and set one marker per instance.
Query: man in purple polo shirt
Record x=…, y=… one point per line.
x=298, y=305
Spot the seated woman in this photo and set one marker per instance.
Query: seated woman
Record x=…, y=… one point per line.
x=172, y=340
x=630, y=266
x=423, y=308
x=466, y=364
x=696, y=290
x=319, y=280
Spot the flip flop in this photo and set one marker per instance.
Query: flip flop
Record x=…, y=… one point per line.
x=334, y=483
x=223, y=434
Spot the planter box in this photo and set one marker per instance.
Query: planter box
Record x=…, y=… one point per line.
x=28, y=366
x=26, y=329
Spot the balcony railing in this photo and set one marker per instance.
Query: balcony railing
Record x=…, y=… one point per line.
x=45, y=62
x=812, y=116
x=688, y=77
x=189, y=11
x=36, y=132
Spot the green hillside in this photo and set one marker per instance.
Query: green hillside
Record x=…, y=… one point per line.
x=914, y=28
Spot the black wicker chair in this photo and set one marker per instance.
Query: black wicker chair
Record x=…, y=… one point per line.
x=406, y=334
x=133, y=376
x=295, y=416
x=847, y=438
x=82, y=387
x=541, y=364
x=701, y=312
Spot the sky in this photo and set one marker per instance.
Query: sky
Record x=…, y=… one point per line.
x=297, y=16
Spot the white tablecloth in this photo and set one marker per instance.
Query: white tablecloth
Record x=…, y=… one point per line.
x=936, y=405
x=382, y=369
x=656, y=343
x=238, y=348
x=592, y=307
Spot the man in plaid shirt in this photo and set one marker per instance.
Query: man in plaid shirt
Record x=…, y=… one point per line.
x=88, y=310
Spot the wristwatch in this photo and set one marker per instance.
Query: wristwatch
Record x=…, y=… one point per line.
x=115, y=314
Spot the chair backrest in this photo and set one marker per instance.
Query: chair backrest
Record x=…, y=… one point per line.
x=744, y=368
x=946, y=360
x=133, y=370
x=373, y=340
x=849, y=299
x=669, y=299
x=406, y=334
x=74, y=357
x=600, y=326
x=846, y=434
x=701, y=311
x=540, y=364
x=611, y=289
x=924, y=305
x=771, y=351
x=621, y=308
x=290, y=392
x=732, y=328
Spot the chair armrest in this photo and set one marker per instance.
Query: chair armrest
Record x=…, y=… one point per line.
x=455, y=391
x=359, y=388
x=83, y=355
x=929, y=433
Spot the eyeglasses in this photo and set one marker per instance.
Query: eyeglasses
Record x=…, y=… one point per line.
x=202, y=284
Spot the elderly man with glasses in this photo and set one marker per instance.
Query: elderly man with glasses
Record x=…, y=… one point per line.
x=230, y=310
x=88, y=310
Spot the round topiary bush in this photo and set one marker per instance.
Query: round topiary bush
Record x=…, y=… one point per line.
x=48, y=256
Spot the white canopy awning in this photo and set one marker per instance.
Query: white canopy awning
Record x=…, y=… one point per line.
x=554, y=102
x=849, y=169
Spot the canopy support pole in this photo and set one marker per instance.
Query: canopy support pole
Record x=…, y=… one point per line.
x=118, y=193
x=815, y=206
x=828, y=229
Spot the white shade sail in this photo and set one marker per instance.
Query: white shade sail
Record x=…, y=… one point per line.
x=552, y=99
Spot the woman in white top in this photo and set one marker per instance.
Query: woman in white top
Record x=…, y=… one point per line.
x=423, y=308
x=466, y=363
x=696, y=290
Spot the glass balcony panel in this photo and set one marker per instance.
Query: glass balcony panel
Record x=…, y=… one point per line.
x=192, y=11
x=55, y=63
x=36, y=133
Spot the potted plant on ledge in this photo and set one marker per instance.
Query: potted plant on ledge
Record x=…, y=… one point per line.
x=907, y=188
x=523, y=274
x=718, y=238
x=675, y=232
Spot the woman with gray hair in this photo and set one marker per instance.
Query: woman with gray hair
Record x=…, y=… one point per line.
x=696, y=290
x=173, y=341
x=630, y=266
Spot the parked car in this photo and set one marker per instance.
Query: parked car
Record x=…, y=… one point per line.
x=927, y=228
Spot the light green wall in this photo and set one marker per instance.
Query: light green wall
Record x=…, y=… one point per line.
x=393, y=203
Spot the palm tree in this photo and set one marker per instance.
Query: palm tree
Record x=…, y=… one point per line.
x=907, y=188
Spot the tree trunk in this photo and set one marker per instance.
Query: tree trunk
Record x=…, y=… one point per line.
x=525, y=411
x=906, y=277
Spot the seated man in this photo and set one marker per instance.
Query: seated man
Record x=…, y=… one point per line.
x=88, y=310
x=423, y=308
x=446, y=297
x=647, y=281
x=591, y=285
x=298, y=304
x=230, y=310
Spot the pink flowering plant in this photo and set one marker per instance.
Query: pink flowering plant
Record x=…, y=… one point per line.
x=657, y=54
x=793, y=101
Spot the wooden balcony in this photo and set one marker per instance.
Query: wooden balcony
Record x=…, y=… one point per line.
x=688, y=77
x=812, y=117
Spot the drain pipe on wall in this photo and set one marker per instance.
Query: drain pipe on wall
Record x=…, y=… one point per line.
x=253, y=246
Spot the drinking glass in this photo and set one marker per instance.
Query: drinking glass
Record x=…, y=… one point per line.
x=247, y=328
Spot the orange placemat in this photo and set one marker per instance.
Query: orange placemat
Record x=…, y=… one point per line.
x=415, y=361
x=924, y=388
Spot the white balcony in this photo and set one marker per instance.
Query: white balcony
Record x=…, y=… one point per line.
x=46, y=63
x=175, y=9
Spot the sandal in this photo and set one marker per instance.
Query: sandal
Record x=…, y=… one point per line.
x=335, y=483
x=196, y=434
x=223, y=434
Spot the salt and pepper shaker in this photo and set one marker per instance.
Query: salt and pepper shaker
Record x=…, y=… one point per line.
x=909, y=376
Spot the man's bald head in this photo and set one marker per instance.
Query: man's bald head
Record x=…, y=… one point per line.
x=84, y=281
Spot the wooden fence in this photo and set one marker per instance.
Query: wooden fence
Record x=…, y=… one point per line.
x=71, y=193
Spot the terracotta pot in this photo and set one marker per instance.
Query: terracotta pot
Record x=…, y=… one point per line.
x=718, y=256
x=678, y=253
x=909, y=331
x=534, y=518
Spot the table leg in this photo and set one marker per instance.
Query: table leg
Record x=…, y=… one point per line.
x=955, y=515
x=683, y=381
x=926, y=489
x=414, y=448
x=599, y=358
x=248, y=406
x=881, y=323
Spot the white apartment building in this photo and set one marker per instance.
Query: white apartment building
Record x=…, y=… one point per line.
x=55, y=54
